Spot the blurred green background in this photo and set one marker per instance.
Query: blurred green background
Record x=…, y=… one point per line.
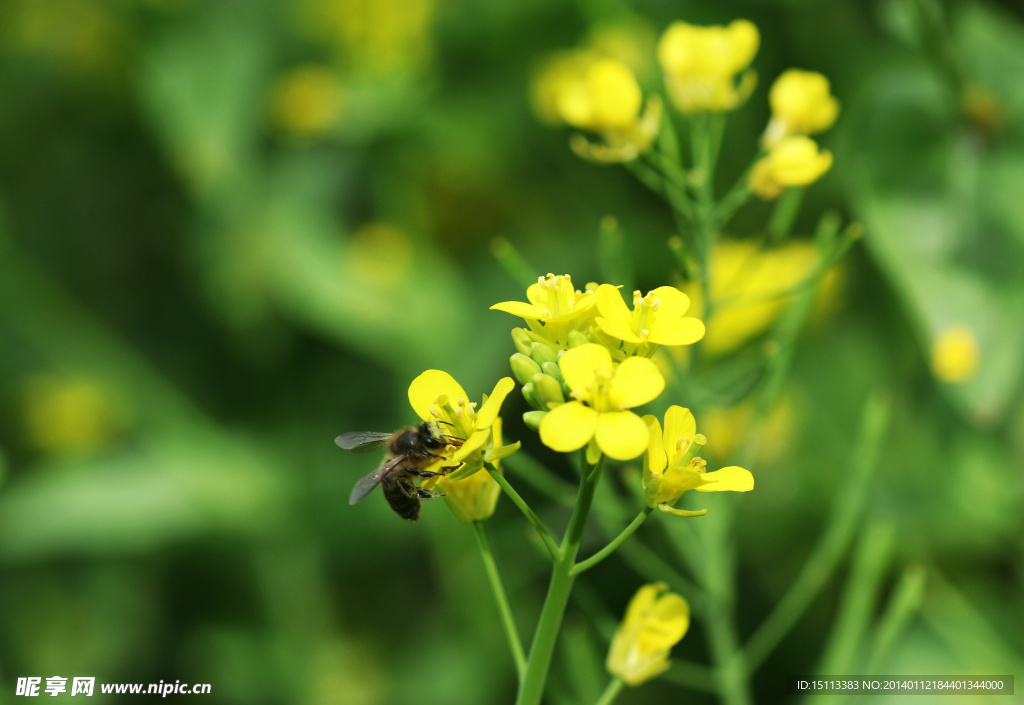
x=230, y=231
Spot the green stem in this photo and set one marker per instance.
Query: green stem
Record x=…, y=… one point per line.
x=784, y=214
x=614, y=544
x=857, y=606
x=730, y=667
x=905, y=601
x=517, y=268
x=611, y=692
x=834, y=540
x=542, y=530
x=500, y=598
x=532, y=685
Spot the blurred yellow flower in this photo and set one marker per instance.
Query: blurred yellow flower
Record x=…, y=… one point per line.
x=751, y=286
x=602, y=395
x=801, y=105
x=606, y=99
x=656, y=319
x=701, y=65
x=671, y=467
x=372, y=37
x=475, y=497
x=792, y=161
x=655, y=621
x=76, y=416
x=956, y=354
x=436, y=396
x=306, y=101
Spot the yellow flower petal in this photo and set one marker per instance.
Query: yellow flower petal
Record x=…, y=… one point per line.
x=489, y=411
x=730, y=479
x=666, y=623
x=682, y=331
x=621, y=435
x=674, y=303
x=474, y=443
x=656, y=459
x=680, y=428
x=580, y=366
x=636, y=381
x=568, y=427
x=610, y=303
x=426, y=388
x=518, y=308
x=619, y=329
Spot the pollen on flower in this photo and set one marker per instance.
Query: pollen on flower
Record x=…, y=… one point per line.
x=435, y=411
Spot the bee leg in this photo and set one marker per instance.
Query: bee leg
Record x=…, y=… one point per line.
x=428, y=494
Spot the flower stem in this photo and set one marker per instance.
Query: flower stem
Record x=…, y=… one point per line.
x=784, y=215
x=531, y=687
x=500, y=598
x=614, y=544
x=542, y=530
x=611, y=692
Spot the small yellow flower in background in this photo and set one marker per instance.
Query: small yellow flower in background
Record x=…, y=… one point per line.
x=793, y=161
x=372, y=37
x=307, y=101
x=751, y=286
x=801, y=105
x=607, y=99
x=701, y=65
x=555, y=309
x=436, y=396
x=69, y=415
x=956, y=354
x=602, y=395
x=475, y=497
x=655, y=621
x=656, y=319
x=556, y=73
x=672, y=468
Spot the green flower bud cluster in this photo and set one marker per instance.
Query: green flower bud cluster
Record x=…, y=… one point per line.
x=536, y=368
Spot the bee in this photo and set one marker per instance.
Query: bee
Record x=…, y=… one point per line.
x=409, y=450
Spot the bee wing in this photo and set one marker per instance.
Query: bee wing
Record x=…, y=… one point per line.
x=363, y=441
x=366, y=485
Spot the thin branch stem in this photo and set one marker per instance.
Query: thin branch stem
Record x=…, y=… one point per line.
x=611, y=692
x=542, y=530
x=531, y=688
x=500, y=598
x=614, y=544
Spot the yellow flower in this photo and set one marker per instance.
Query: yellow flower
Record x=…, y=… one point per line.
x=606, y=99
x=655, y=621
x=555, y=309
x=656, y=319
x=750, y=287
x=436, y=396
x=701, y=65
x=602, y=395
x=671, y=467
x=475, y=497
x=793, y=161
x=555, y=75
x=307, y=101
x=956, y=354
x=801, y=105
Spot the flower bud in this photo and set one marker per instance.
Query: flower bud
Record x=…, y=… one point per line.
x=532, y=419
x=548, y=391
x=521, y=339
x=530, y=395
x=523, y=367
x=542, y=352
x=552, y=370
x=577, y=339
